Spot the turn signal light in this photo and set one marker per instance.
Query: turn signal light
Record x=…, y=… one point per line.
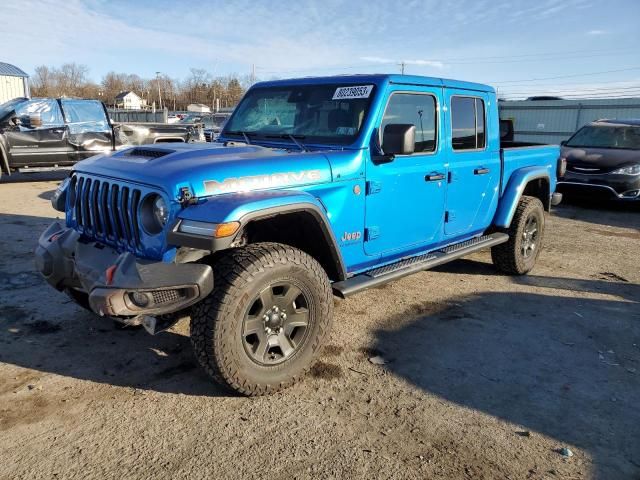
x=109, y=273
x=226, y=229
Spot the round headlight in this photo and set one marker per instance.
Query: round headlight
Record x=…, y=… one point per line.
x=160, y=211
x=154, y=214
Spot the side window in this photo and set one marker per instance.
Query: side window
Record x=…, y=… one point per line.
x=467, y=123
x=45, y=108
x=85, y=116
x=416, y=109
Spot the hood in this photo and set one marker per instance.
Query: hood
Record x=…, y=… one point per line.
x=601, y=159
x=210, y=169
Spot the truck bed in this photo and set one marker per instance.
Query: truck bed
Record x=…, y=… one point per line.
x=516, y=155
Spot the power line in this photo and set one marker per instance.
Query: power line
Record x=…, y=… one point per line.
x=547, y=56
x=529, y=60
x=573, y=90
x=628, y=92
x=565, y=76
x=586, y=97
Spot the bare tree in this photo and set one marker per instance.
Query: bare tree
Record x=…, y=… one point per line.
x=71, y=79
x=42, y=82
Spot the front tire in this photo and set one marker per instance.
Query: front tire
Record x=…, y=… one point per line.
x=518, y=255
x=262, y=326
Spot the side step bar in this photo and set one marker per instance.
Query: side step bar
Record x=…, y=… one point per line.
x=407, y=266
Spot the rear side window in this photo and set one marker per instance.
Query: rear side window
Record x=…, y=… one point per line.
x=414, y=109
x=467, y=123
x=85, y=116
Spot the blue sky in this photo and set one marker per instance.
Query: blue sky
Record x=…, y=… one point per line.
x=514, y=45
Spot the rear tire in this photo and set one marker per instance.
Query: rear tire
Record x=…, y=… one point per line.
x=266, y=319
x=518, y=255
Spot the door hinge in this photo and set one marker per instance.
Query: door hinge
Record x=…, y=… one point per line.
x=373, y=187
x=371, y=233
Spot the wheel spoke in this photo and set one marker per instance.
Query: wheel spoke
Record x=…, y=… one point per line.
x=285, y=344
x=261, y=349
x=299, y=318
x=267, y=298
x=290, y=296
x=253, y=325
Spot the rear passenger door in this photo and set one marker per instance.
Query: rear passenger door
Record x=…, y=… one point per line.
x=474, y=170
x=90, y=131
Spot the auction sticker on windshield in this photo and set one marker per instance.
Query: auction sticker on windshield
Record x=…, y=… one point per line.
x=362, y=91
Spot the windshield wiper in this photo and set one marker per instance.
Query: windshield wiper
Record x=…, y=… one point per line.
x=244, y=134
x=293, y=138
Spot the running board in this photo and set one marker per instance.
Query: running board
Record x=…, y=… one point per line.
x=407, y=266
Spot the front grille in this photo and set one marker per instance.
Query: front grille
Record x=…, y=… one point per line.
x=106, y=210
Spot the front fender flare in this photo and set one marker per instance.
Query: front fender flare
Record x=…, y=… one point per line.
x=248, y=207
x=513, y=191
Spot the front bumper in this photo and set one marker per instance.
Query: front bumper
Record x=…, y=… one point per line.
x=115, y=283
x=602, y=185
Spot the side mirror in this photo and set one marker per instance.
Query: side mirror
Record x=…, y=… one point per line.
x=563, y=143
x=16, y=121
x=33, y=120
x=399, y=139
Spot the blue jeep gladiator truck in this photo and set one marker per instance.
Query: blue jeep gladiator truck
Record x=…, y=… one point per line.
x=316, y=187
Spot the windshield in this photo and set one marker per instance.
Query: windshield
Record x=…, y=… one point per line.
x=330, y=114
x=609, y=136
x=190, y=119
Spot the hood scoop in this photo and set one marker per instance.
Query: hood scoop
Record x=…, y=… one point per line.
x=148, y=152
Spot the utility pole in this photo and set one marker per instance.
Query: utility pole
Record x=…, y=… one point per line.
x=159, y=94
x=253, y=73
x=402, y=64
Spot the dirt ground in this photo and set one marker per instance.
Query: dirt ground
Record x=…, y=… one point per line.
x=488, y=376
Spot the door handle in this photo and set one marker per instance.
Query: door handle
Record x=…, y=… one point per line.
x=434, y=177
x=481, y=171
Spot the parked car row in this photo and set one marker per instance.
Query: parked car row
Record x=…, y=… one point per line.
x=44, y=133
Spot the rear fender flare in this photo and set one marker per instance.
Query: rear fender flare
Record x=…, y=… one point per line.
x=513, y=192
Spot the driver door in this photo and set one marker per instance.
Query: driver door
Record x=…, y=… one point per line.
x=41, y=137
x=405, y=197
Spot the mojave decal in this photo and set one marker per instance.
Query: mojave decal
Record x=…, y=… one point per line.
x=255, y=182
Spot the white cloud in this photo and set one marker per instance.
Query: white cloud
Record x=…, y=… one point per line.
x=597, y=32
